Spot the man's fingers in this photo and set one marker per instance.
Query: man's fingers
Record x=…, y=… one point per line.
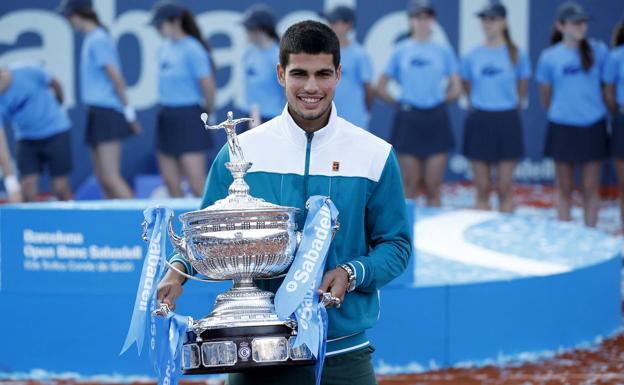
x=326, y=284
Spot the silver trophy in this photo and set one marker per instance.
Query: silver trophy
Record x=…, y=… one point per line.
x=239, y=238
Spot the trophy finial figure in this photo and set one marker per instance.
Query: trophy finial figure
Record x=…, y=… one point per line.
x=229, y=125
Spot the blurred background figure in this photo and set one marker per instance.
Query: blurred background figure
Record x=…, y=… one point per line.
x=185, y=83
x=427, y=73
x=264, y=96
x=614, y=94
x=354, y=95
x=495, y=77
x=110, y=117
x=30, y=99
x=11, y=183
x=569, y=73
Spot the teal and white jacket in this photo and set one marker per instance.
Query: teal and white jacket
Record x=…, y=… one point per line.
x=360, y=173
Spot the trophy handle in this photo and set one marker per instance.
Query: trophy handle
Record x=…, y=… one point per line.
x=178, y=242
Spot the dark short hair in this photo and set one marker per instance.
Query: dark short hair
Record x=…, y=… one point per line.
x=311, y=37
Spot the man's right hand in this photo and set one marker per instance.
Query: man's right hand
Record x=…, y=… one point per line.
x=170, y=287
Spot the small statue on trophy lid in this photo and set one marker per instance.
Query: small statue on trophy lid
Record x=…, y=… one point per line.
x=229, y=126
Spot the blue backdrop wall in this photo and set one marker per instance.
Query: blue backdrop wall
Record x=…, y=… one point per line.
x=31, y=30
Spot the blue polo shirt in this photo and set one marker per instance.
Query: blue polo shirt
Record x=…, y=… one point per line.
x=181, y=64
x=350, y=96
x=614, y=72
x=494, y=77
x=30, y=105
x=577, y=98
x=422, y=68
x=261, y=85
x=98, y=50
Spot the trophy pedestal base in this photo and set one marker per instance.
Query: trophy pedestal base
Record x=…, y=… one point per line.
x=237, y=349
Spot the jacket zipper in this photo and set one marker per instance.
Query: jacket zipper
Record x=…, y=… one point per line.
x=309, y=136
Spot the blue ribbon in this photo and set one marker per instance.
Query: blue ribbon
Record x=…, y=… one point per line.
x=297, y=294
x=152, y=272
x=165, y=333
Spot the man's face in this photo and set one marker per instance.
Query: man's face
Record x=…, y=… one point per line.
x=309, y=82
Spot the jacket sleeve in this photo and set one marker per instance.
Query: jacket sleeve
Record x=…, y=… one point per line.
x=217, y=183
x=387, y=228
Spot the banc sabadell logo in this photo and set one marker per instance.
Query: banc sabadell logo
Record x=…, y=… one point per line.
x=57, y=48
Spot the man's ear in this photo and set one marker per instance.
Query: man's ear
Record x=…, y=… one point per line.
x=338, y=72
x=281, y=75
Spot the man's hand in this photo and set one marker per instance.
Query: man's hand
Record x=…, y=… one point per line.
x=336, y=282
x=170, y=287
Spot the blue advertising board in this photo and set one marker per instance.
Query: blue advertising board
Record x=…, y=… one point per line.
x=31, y=30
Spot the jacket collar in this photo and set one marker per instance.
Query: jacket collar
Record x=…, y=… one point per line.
x=298, y=136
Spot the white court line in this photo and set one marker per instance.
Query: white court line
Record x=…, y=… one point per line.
x=443, y=236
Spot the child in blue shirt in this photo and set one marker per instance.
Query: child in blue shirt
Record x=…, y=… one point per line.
x=185, y=83
x=495, y=77
x=264, y=96
x=570, y=75
x=354, y=95
x=41, y=129
x=613, y=78
x=110, y=117
x=427, y=73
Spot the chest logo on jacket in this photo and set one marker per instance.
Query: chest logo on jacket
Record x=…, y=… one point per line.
x=491, y=70
x=336, y=166
x=572, y=69
x=420, y=62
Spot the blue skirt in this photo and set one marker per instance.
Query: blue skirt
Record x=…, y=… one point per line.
x=577, y=144
x=493, y=136
x=422, y=132
x=617, y=136
x=180, y=131
x=105, y=125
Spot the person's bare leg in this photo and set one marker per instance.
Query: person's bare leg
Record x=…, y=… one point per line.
x=619, y=169
x=61, y=188
x=410, y=172
x=194, y=168
x=107, y=163
x=504, y=186
x=590, y=182
x=171, y=175
x=564, y=183
x=30, y=186
x=434, y=166
x=482, y=181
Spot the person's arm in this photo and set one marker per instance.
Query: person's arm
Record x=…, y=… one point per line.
x=454, y=89
x=545, y=91
x=523, y=86
x=57, y=89
x=11, y=183
x=466, y=87
x=382, y=90
x=209, y=89
x=389, y=236
x=608, y=92
x=120, y=89
x=369, y=96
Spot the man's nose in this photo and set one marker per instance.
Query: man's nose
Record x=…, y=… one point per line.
x=311, y=85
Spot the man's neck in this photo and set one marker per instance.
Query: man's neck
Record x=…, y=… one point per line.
x=310, y=125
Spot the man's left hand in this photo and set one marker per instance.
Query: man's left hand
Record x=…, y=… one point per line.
x=336, y=282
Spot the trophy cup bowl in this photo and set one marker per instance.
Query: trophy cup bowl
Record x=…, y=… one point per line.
x=239, y=238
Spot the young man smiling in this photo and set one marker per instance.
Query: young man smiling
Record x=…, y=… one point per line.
x=309, y=150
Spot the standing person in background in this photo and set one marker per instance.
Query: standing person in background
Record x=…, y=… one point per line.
x=264, y=96
x=354, y=94
x=185, y=82
x=30, y=99
x=11, y=183
x=569, y=73
x=110, y=117
x=614, y=95
x=495, y=78
x=422, y=133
